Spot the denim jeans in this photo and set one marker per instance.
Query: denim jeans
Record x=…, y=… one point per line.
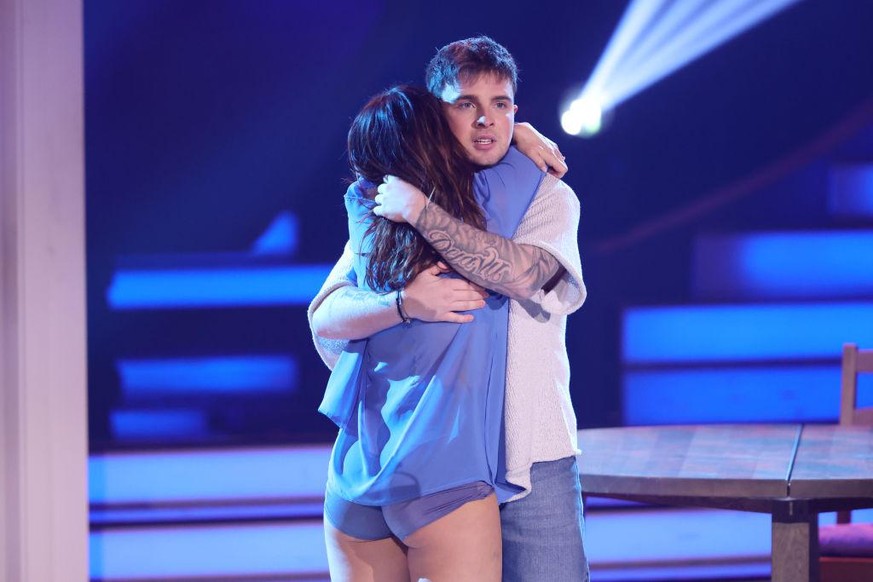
x=542, y=533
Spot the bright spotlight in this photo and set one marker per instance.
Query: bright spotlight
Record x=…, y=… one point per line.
x=653, y=39
x=583, y=117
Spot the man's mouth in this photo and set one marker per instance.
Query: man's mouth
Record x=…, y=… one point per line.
x=484, y=140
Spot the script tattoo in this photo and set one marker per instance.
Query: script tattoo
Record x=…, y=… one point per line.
x=485, y=258
x=488, y=264
x=363, y=296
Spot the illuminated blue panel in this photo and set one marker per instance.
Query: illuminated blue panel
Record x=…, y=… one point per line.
x=744, y=332
x=207, y=375
x=690, y=544
x=147, y=424
x=850, y=192
x=175, y=476
x=280, y=237
x=790, y=265
x=215, y=287
x=250, y=510
x=711, y=395
x=209, y=552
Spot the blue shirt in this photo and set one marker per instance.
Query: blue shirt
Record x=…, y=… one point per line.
x=420, y=406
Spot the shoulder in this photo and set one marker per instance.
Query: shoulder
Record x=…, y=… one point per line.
x=556, y=193
x=360, y=189
x=359, y=198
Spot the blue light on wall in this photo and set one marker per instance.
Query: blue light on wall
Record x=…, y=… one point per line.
x=743, y=332
x=280, y=237
x=227, y=374
x=850, y=191
x=711, y=395
x=205, y=475
x=147, y=424
x=215, y=287
x=209, y=552
x=790, y=265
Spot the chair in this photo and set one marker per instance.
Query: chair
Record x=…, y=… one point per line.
x=846, y=549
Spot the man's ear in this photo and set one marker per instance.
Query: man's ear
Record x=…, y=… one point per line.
x=514, y=108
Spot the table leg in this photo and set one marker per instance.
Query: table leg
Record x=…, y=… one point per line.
x=795, y=545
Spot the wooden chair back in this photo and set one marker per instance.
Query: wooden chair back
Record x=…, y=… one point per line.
x=855, y=361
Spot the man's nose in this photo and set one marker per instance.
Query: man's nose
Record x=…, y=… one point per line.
x=483, y=121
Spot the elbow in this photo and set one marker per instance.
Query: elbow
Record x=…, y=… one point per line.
x=530, y=285
x=520, y=292
x=330, y=324
x=321, y=325
x=527, y=293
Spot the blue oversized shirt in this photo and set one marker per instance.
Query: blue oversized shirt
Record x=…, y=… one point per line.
x=420, y=406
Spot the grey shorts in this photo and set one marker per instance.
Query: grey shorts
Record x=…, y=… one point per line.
x=367, y=522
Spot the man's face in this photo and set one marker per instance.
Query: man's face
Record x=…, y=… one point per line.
x=481, y=113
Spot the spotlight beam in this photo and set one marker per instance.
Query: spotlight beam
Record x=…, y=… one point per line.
x=655, y=38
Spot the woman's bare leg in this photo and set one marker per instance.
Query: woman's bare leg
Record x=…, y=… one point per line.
x=463, y=546
x=354, y=560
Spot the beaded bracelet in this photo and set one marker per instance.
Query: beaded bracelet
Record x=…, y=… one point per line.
x=398, y=300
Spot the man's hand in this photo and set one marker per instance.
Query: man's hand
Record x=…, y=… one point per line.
x=543, y=151
x=430, y=297
x=399, y=201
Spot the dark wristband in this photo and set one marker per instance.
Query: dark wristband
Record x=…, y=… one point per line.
x=398, y=300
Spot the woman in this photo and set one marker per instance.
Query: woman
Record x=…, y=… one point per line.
x=416, y=472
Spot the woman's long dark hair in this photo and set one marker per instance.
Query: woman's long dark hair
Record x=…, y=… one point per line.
x=402, y=132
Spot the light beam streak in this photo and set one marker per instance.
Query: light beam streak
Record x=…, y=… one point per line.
x=653, y=39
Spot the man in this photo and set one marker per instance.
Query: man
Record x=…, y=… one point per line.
x=539, y=269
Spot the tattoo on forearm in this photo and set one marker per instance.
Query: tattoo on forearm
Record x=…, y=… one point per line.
x=356, y=295
x=486, y=258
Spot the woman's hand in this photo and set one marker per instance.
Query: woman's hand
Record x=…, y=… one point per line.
x=399, y=201
x=543, y=151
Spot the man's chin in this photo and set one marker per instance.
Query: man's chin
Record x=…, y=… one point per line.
x=486, y=159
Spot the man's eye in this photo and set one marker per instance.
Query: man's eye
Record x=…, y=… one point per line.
x=465, y=105
x=502, y=105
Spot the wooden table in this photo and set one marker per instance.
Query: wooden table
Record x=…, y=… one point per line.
x=793, y=472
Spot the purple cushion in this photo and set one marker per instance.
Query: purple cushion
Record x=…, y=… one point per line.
x=847, y=539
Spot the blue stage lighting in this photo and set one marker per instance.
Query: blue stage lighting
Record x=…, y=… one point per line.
x=653, y=39
x=211, y=375
x=280, y=237
x=260, y=551
x=785, y=265
x=146, y=478
x=215, y=287
x=148, y=424
x=725, y=333
x=732, y=394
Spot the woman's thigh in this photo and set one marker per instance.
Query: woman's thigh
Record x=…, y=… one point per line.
x=459, y=547
x=360, y=547
x=352, y=559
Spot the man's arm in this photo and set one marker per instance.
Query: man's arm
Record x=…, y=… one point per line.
x=341, y=312
x=350, y=313
x=494, y=262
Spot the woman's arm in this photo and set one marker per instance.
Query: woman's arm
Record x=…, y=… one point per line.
x=541, y=150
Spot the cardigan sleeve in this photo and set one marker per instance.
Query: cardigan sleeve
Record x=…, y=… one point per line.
x=342, y=275
x=551, y=223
